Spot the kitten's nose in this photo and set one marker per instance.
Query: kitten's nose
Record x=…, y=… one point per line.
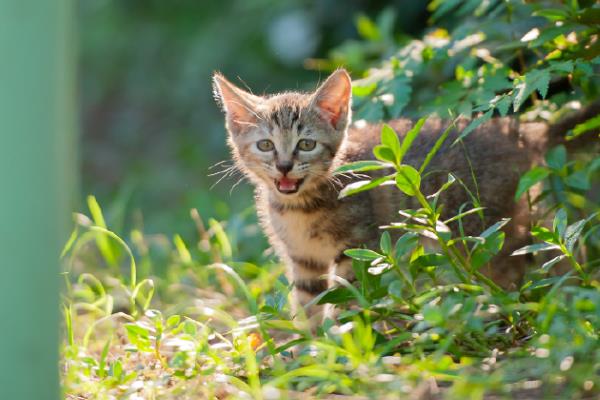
x=284, y=167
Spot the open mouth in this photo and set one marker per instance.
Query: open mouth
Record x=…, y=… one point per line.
x=287, y=185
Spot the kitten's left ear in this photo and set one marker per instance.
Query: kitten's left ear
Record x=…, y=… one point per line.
x=332, y=99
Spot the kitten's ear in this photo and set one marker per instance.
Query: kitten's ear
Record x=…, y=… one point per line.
x=332, y=99
x=239, y=105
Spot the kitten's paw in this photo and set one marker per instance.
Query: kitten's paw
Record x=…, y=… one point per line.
x=330, y=311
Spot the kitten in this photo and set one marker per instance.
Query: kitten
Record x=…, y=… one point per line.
x=289, y=144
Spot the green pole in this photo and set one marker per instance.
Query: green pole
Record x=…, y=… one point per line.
x=37, y=160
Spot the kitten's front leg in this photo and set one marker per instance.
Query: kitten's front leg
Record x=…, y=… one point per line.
x=310, y=277
x=342, y=267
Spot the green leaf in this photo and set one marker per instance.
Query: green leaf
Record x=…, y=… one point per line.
x=222, y=239
x=557, y=157
x=361, y=186
x=492, y=246
x=572, y=233
x=584, y=68
x=337, y=295
x=367, y=28
x=190, y=328
x=449, y=182
x=441, y=8
x=385, y=243
x=173, y=321
x=405, y=244
x=384, y=153
x=584, y=127
x=542, y=283
x=360, y=271
x=548, y=34
x=578, y=180
x=548, y=264
x=139, y=337
x=562, y=66
x=560, y=222
x=537, y=79
x=464, y=214
x=395, y=289
x=182, y=250
x=503, y=105
x=96, y=212
x=116, y=369
x=390, y=139
x=367, y=281
x=494, y=242
x=362, y=166
x=137, y=331
x=436, y=147
x=103, y=355
x=401, y=89
x=475, y=124
x=370, y=110
x=433, y=315
x=431, y=260
x=408, y=180
x=362, y=254
x=495, y=228
x=552, y=14
x=533, y=248
x=532, y=177
x=104, y=245
x=363, y=90
x=409, y=138
x=544, y=234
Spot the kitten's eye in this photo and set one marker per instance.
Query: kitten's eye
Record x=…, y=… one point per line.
x=306, y=144
x=265, y=145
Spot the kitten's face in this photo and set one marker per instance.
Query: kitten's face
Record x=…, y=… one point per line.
x=287, y=142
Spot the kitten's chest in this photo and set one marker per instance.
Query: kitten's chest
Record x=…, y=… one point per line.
x=305, y=234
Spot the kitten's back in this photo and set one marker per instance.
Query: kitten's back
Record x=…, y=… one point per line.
x=488, y=162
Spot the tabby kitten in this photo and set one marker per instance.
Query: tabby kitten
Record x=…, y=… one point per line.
x=289, y=144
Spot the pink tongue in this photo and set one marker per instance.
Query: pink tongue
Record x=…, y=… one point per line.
x=287, y=184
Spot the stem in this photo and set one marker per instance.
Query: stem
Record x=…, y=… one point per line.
x=453, y=255
x=576, y=266
x=495, y=288
x=455, y=266
x=423, y=201
x=407, y=281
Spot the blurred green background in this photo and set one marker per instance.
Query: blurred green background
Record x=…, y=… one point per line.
x=150, y=127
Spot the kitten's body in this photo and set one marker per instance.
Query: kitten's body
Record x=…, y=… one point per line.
x=311, y=233
x=311, y=227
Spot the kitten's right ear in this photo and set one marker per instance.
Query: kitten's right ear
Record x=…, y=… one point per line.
x=239, y=105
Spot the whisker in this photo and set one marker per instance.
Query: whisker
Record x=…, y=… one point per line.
x=332, y=181
x=219, y=163
x=224, y=171
x=230, y=174
x=237, y=183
